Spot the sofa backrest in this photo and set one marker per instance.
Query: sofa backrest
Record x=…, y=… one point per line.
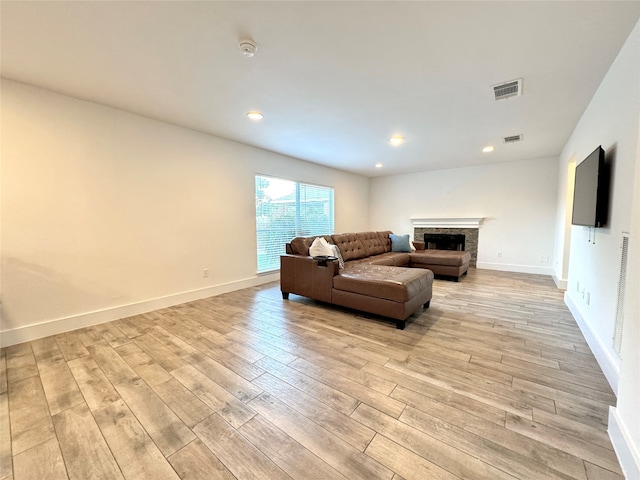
x=372, y=243
x=385, y=240
x=353, y=246
x=350, y=245
x=300, y=245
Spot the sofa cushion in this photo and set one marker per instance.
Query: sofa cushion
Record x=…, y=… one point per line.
x=372, y=243
x=350, y=246
x=400, y=243
x=397, y=284
x=440, y=257
x=395, y=259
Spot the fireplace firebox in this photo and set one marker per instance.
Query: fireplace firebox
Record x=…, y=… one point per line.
x=444, y=241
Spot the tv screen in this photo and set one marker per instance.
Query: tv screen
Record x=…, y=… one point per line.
x=591, y=193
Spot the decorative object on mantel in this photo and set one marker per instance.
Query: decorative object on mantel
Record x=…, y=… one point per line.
x=459, y=222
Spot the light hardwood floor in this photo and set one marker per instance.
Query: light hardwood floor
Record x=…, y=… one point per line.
x=494, y=381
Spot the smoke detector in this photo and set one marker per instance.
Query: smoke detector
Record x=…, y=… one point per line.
x=247, y=47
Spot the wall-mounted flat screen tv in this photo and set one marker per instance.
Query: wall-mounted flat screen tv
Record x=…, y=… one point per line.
x=591, y=193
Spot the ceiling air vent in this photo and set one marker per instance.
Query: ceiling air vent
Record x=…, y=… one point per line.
x=508, y=89
x=512, y=139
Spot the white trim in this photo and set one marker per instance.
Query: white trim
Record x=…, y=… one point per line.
x=51, y=327
x=447, y=222
x=562, y=284
x=626, y=451
x=609, y=364
x=511, y=267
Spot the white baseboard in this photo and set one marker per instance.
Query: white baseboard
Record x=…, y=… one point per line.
x=560, y=283
x=609, y=364
x=60, y=325
x=510, y=267
x=627, y=452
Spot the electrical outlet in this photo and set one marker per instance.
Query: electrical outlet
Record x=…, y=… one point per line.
x=588, y=298
x=205, y=273
x=499, y=254
x=544, y=259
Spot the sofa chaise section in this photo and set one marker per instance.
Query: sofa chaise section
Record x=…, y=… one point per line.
x=393, y=292
x=448, y=263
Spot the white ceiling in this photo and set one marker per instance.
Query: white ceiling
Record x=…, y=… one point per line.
x=335, y=80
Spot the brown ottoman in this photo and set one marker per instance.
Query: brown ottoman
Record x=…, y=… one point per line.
x=394, y=292
x=450, y=263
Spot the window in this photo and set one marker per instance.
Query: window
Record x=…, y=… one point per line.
x=286, y=209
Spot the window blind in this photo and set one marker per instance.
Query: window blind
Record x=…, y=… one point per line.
x=286, y=209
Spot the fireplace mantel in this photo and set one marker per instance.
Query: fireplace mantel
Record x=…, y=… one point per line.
x=447, y=222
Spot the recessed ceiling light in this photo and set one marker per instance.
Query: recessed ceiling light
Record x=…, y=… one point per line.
x=255, y=116
x=396, y=140
x=379, y=165
x=488, y=148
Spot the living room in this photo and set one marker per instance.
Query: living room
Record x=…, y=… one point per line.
x=107, y=214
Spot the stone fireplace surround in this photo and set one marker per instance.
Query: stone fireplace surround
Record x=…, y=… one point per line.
x=469, y=227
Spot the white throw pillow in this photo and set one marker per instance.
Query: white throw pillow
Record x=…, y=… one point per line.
x=320, y=247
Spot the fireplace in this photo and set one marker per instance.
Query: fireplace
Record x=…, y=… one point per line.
x=470, y=239
x=444, y=241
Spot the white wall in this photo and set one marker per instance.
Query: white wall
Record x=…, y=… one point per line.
x=517, y=200
x=566, y=177
x=106, y=214
x=625, y=418
x=611, y=120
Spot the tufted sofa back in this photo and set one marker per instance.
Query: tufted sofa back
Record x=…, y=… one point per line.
x=350, y=245
x=372, y=243
x=385, y=240
x=353, y=246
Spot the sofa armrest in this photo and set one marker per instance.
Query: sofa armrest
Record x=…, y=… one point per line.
x=304, y=276
x=419, y=245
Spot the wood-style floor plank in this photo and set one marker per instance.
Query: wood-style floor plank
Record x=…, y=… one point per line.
x=137, y=456
x=80, y=440
x=439, y=453
x=338, y=423
x=346, y=459
x=493, y=381
x=41, y=461
x=6, y=466
x=237, y=454
x=143, y=364
x=29, y=415
x=214, y=396
x=196, y=462
x=295, y=460
x=163, y=426
x=96, y=389
x=185, y=404
x=407, y=463
x=3, y=371
x=20, y=363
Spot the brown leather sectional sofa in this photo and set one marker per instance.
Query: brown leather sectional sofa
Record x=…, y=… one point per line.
x=374, y=280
